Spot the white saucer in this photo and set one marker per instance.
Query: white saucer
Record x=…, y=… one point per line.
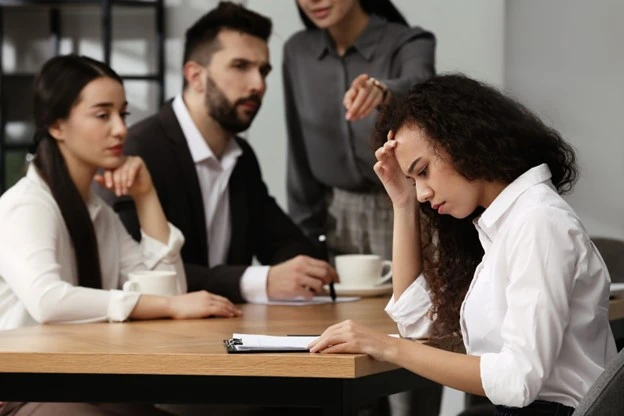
x=342, y=290
x=617, y=287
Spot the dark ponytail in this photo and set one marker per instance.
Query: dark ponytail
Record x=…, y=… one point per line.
x=381, y=8
x=57, y=89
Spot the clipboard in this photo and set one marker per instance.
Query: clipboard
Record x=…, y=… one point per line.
x=250, y=343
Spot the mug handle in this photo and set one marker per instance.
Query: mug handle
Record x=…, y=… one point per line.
x=387, y=276
x=131, y=286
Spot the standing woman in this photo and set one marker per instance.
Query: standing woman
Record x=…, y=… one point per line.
x=353, y=56
x=504, y=260
x=65, y=254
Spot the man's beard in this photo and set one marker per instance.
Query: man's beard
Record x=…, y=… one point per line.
x=223, y=112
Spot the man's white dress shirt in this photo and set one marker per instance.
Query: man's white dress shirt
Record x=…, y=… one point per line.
x=38, y=276
x=536, y=311
x=214, y=175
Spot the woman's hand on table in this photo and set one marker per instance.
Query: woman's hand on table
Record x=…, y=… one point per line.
x=349, y=337
x=201, y=304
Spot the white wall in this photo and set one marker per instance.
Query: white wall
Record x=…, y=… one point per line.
x=565, y=59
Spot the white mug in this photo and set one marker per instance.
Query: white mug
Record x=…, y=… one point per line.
x=153, y=282
x=362, y=270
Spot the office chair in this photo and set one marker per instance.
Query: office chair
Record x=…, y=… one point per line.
x=612, y=252
x=605, y=397
x=477, y=406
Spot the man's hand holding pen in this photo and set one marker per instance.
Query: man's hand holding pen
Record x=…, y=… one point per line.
x=301, y=276
x=323, y=243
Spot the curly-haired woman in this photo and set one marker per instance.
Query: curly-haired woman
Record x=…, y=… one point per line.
x=502, y=259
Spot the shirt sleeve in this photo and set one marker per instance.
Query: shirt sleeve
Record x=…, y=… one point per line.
x=542, y=260
x=151, y=254
x=306, y=195
x=410, y=311
x=415, y=58
x=253, y=284
x=30, y=232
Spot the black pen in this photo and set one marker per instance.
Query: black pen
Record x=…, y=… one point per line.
x=303, y=335
x=323, y=243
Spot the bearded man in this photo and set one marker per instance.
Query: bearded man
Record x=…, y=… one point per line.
x=208, y=180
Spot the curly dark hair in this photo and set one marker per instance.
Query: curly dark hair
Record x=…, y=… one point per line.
x=488, y=136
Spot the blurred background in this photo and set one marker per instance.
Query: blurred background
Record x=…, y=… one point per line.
x=562, y=58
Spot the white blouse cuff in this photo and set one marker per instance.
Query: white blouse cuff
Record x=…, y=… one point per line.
x=410, y=311
x=155, y=251
x=500, y=381
x=121, y=305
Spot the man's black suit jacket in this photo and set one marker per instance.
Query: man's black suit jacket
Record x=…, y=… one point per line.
x=259, y=227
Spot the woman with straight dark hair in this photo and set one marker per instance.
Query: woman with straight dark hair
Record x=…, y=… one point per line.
x=382, y=8
x=65, y=253
x=485, y=246
x=352, y=57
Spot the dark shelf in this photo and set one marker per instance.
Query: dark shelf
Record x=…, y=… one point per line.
x=21, y=76
x=134, y=3
x=25, y=76
x=16, y=87
x=22, y=3
x=17, y=146
x=152, y=77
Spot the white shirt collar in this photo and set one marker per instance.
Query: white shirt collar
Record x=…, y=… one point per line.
x=94, y=205
x=200, y=151
x=501, y=204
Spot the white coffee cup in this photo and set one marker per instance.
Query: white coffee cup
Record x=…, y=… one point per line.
x=362, y=270
x=153, y=282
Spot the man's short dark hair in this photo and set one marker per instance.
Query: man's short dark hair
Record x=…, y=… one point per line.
x=201, y=38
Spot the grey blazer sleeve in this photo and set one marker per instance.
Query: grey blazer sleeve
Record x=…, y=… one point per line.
x=415, y=58
x=306, y=195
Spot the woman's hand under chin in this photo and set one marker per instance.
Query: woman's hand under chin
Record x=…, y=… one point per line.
x=348, y=337
x=131, y=178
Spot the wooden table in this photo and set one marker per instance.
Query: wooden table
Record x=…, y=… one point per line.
x=185, y=362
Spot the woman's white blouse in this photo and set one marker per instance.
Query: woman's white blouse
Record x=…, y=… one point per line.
x=536, y=311
x=38, y=278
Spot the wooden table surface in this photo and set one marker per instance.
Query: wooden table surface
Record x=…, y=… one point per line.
x=616, y=306
x=193, y=347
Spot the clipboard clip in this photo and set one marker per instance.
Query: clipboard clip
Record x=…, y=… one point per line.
x=230, y=343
